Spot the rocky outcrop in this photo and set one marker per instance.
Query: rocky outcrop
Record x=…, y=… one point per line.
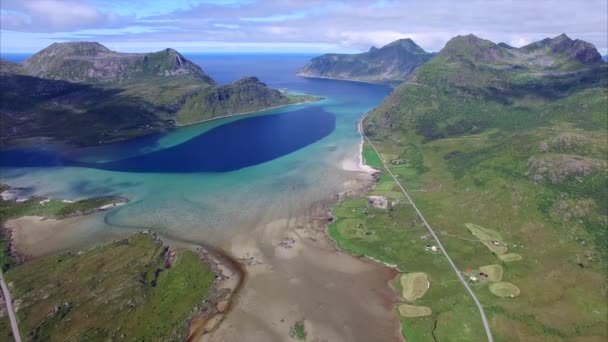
x=7, y=67
x=577, y=50
x=93, y=62
x=392, y=63
x=556, y=168
x=245, y=95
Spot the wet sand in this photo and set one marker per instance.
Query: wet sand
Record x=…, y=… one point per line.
x=293, y=271
x=35, y=236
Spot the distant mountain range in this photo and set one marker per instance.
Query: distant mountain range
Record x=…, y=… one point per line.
x=391, y=64
x=111, y=96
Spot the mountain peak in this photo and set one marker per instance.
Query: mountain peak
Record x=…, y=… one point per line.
x=472, y=48
x=75, y=48
x=578, y=50
x=392, y=63
x=93, y=62
x=405, y=43
x=469, y=39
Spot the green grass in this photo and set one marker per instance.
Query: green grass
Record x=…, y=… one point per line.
x=467, y=133
x=370, y=157
x=53, y=208
x=121, y=290
x=394, y=236
x=460, y=140
x=299, y=331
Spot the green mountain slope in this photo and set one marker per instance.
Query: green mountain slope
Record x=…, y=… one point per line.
x=391, y=63
x=511, y=142
x=114, y=96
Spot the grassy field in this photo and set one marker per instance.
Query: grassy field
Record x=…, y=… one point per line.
x=506, y=159
x=396, y=236
x=414, y=285
x=119, y=291
x=558, y=265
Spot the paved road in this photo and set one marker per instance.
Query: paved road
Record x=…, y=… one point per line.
x=484, y=320
x=9, y=308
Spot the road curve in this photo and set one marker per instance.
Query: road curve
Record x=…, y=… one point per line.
x=484, y=320
x=9, y=308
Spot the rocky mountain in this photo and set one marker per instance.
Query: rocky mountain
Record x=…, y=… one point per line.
x=93, y=62
x=515, y=140
x=113, y=96
x=578, y=50
x=392, y=64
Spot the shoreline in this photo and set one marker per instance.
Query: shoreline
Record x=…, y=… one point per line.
x=250, y=112
x=301, y=244
x=27, y=141
x=387, y=84
x=231, y=275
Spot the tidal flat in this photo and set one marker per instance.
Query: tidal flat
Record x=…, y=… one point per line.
x=271, y=217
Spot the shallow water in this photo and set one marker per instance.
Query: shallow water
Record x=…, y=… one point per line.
x=244, y=191
x=284, y=159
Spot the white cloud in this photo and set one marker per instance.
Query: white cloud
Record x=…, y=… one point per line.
x=57, y=16
x=344, y=25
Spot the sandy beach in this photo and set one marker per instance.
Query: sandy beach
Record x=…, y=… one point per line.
x=34, y=236
x=295, y=273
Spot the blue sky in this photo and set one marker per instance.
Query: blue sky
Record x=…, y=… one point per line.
x=293, y=25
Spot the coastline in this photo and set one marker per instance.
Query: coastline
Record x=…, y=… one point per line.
x=230, y=278
x=381, y=83
x=249, y=112
x=45, y=139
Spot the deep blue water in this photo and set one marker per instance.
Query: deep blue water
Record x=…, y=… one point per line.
x=235, y=145
x=231, y=146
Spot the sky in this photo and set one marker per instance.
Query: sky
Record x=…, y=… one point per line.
x=293, y=26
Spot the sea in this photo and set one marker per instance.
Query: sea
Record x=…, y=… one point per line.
x=206, y=182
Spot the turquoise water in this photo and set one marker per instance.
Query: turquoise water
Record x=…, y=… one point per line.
x=198, y=206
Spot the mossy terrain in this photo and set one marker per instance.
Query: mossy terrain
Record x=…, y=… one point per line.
x=512, y=140
x=120, y=291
